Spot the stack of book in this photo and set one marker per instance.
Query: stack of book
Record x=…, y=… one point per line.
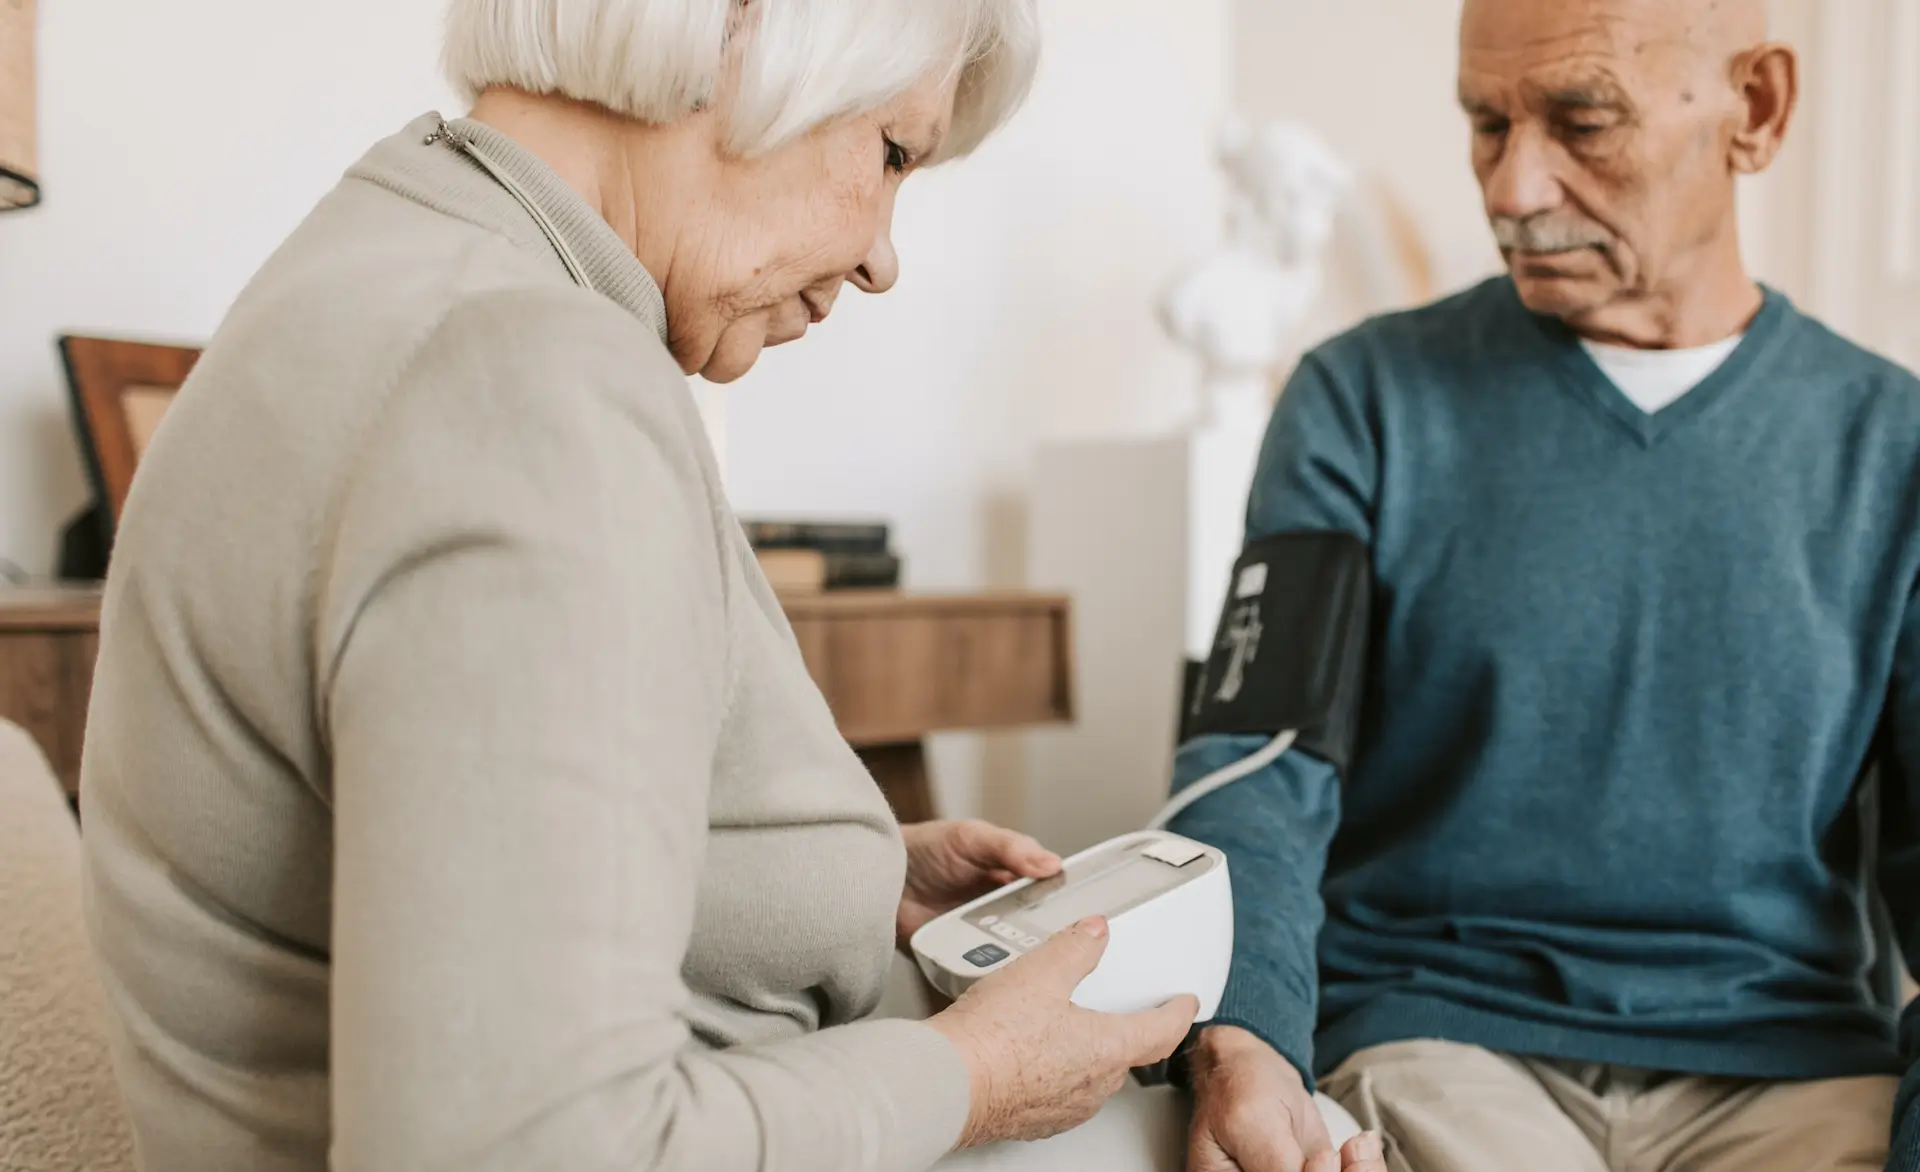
x=808, y=557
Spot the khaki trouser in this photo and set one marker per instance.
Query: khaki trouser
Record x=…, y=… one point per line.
x=1445, y=1107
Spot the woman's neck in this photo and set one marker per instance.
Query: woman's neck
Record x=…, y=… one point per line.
x=603, y=157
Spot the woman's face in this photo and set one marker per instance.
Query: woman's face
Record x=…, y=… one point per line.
x=786, y=230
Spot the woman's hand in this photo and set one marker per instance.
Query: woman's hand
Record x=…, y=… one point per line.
x=1041, y=1065
x=949, y=863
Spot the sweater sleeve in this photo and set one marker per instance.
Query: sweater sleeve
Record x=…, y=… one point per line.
x=1900, y=868
x=524, y=671
x=1318, y=469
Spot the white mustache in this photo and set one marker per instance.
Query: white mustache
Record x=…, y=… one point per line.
x=1539, y=234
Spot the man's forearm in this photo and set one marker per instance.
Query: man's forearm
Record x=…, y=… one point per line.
x=1274, y=826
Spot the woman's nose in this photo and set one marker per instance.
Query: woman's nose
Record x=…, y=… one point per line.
x=882, y=268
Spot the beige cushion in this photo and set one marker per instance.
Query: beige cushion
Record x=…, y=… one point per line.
x=60, y=1110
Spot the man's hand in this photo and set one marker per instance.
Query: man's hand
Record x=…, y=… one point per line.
x=1252, y=1113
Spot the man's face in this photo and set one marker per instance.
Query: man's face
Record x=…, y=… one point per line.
x=1601, y=133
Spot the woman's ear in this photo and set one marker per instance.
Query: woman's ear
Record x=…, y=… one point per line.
x=1767, y=83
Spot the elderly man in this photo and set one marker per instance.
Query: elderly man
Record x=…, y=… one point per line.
x=1647, y=539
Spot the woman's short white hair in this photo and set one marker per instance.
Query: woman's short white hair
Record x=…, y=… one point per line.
x=800, y=62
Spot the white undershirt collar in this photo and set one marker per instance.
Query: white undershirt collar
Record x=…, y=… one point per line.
x=1655, y=379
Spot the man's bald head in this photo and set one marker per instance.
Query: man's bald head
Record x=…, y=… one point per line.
x=1732, y=26
x=1639, y=36
x=1607, y=137
x=1725, y=24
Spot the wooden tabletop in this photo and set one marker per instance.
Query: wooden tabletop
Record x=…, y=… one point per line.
x=77, y=606
x=892, y=667
x=50, y=608
x=838, y=603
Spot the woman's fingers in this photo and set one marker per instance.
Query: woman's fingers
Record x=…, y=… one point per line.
x=1156, y=1032
x=995, y=848
x=1064, y=960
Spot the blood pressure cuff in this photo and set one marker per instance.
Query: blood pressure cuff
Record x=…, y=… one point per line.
x=1290, y=652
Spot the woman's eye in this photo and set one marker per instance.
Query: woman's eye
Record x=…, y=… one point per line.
x=897, y=157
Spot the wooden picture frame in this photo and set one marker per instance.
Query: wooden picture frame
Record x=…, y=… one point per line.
x=119, y=391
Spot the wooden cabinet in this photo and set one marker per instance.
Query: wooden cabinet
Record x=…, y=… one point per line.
x=48, y=639
x=893, y=667
x=896, y=667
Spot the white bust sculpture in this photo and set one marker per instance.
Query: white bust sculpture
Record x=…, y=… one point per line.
x=1239, y=308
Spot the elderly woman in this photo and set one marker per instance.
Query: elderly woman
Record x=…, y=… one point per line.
x=456, y=797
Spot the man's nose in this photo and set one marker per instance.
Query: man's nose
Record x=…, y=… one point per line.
x=1523, y=182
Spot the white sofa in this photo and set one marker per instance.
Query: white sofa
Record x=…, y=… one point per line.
x=60, y=1110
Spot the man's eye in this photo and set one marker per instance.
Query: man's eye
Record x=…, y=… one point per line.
x=1491, y=127
x=1584, y=129
x=897, y=157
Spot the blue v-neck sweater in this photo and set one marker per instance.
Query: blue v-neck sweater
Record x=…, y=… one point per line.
x=1626, y=673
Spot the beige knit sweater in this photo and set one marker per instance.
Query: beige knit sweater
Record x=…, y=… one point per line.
x=455, y=796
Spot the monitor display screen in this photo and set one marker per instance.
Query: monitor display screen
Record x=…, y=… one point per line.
x=1106, y=885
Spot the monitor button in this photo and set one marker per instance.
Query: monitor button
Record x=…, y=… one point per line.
x=986, y=956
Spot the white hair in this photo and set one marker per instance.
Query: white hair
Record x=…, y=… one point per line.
x=800, y=63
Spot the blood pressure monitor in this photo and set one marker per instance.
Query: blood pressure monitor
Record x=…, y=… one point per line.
x=1169, y=909
x=1288, y=664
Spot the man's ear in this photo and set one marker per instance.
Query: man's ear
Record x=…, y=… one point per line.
x=1767, y=80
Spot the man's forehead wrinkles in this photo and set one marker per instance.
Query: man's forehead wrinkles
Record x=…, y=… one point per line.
x=1592, y=74
x=1596, y=81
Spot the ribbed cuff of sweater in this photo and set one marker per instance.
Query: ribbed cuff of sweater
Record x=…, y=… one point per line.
x=1269, y=1014
x=1906, y=1147
x=1905, y=1156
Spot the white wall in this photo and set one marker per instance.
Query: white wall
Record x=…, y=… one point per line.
x=1841, y=218
x=1024, y=309
x=179, y=143
x=1376, y=79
